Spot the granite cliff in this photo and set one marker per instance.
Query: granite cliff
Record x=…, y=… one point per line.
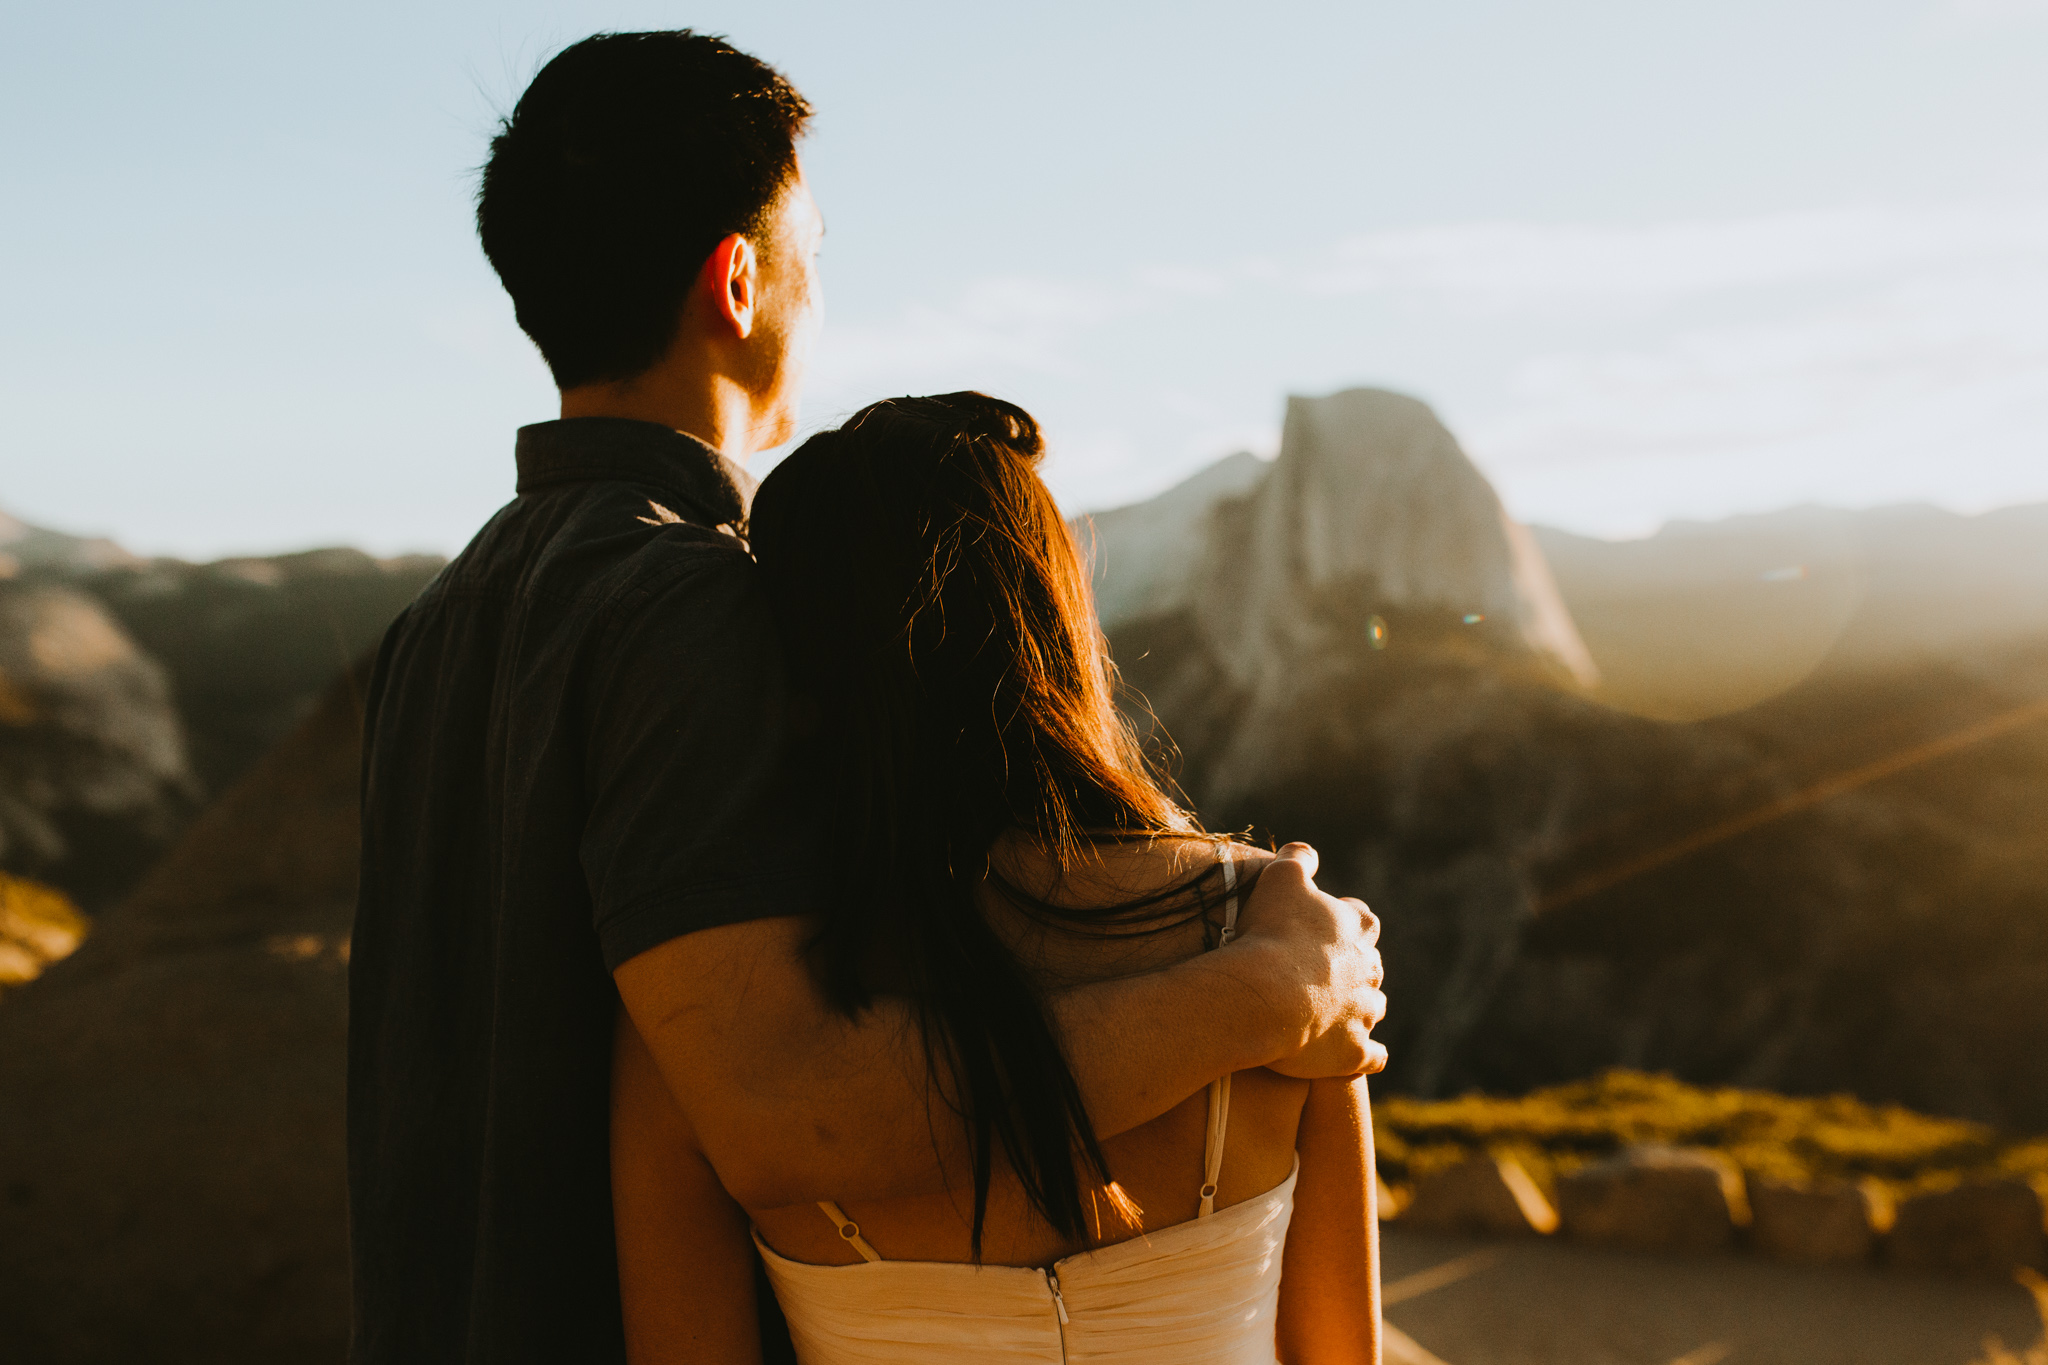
x=1263, y=584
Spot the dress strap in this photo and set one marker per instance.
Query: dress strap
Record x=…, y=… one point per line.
x=850, y=1230
x=1219, y=1090
x=1229, y=905
x=1212, y=1154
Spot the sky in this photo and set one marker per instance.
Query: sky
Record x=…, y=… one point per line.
x=1647, y=261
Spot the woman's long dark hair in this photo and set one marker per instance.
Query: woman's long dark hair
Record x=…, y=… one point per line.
x=936, y=612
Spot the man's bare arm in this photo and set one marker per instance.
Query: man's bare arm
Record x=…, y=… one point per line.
x=1330, y=1277
x=686, y=1263
x=792, y=1101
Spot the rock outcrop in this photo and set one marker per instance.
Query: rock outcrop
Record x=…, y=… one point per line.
x=1491, y=1195
x=171, y=1097
x=93, y=773
x=1987, y=1227
x=1650, y=1198
x=1832, y=1223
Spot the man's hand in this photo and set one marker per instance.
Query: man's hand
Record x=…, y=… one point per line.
x=1305, y=945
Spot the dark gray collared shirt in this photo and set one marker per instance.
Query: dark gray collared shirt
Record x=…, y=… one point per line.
x=575, y=746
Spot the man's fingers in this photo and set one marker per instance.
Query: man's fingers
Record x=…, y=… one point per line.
x=1372, y=1007
x=1342, y=1052
x=1365, y=917
x=1301, y=854
x=1333, y=940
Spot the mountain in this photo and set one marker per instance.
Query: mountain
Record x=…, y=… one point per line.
x=1705, y=618
x=132, y=689
x=1371, y=526
x=1724, y=875
x=249, y=644
x=1371, y=498
x=23, y=546
x=1147, y=556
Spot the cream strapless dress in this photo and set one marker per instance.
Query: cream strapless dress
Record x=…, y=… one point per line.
x=1203, y=1292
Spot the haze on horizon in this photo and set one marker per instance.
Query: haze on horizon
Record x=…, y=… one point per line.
x=1647, y=261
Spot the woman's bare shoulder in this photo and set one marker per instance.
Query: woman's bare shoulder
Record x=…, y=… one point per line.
x=1166, y=893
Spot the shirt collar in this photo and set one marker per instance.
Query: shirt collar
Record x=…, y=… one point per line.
x=706, y=486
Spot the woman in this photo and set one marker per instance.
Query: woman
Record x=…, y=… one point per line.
x=1003, y=837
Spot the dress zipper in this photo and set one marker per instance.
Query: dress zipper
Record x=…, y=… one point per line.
x=1052, y=1282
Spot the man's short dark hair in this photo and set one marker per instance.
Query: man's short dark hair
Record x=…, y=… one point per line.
x=629, y=157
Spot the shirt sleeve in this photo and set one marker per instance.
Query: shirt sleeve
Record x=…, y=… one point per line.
x=692, y=818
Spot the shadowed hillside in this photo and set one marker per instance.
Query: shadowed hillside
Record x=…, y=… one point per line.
x=248, y=644
x=171, y=1096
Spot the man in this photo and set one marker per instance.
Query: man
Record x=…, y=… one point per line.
x=573, y=754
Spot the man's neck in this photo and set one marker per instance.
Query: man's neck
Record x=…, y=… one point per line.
x=710, y=407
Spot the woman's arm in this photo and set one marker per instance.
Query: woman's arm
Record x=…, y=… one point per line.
x=686, y=1262
x=792, y=1101
x=1330, y=1279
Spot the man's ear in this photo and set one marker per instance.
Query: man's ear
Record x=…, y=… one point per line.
x=731, y=282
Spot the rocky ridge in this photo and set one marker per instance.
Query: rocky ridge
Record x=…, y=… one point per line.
x=1705, y=619
x=133, y=689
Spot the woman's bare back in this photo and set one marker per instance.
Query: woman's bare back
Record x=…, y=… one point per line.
x=1158, y=1167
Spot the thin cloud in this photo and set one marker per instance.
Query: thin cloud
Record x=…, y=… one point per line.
x=1779, y=377
x=1995, y=11
x=1527, y=263
x=1009, y=320
x=1860, y=397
